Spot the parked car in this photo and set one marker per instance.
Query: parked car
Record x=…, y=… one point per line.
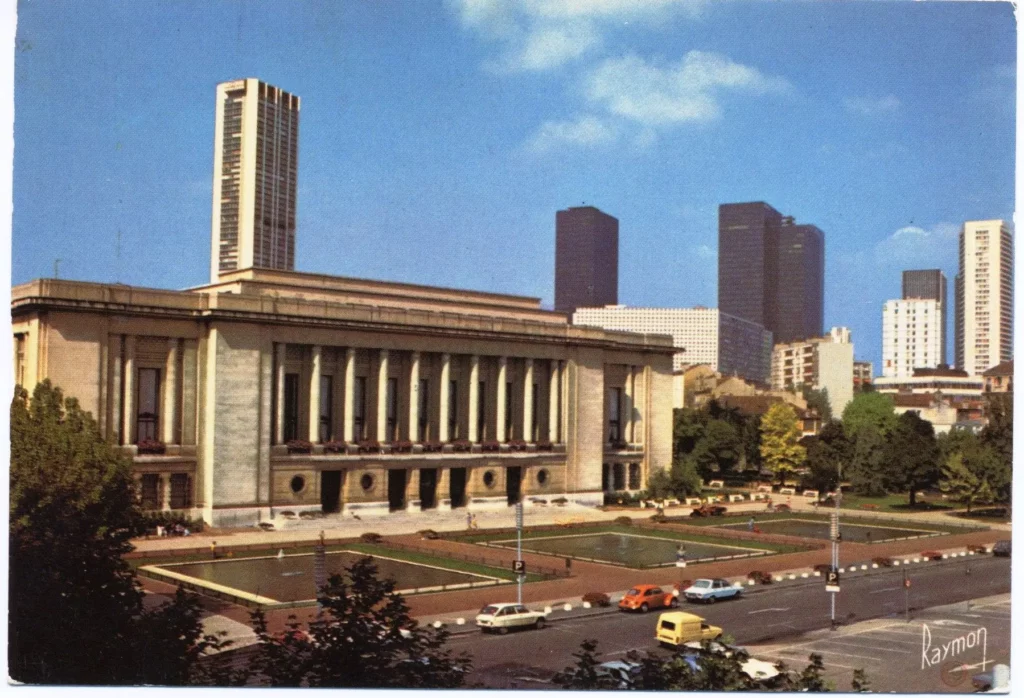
x=757, y=669
x=708, y=510
x=644, y=597
x=1001, y=548
x=624, y=673
x=711, y=590
x=502, y=617
x=676, y=628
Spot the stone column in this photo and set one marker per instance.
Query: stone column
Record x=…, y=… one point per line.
x=382, y=398
x=627, y=408
x=128, y=379
x=442, y=419
x=280, y=352
x=314, y=394
x=414, y=398
x=165, y=492
x=474, y=398
x=116, y=371
x=528, y=402
x=350, y=394
x=499, y=429
x=170, y=419
x=553, y=391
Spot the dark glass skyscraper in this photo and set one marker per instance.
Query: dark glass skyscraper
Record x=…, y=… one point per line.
x=771, y=271
x=586, y=259
x=931, y=284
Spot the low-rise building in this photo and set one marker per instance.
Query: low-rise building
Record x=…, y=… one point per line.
x=999, y=378
x=863, y=374
x=819, y=363
x=950, y=381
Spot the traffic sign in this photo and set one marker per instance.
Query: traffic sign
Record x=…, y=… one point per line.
x=832, y=580
x=519, y=566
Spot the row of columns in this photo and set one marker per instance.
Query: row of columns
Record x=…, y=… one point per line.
x=414, y=397
x=125, y=371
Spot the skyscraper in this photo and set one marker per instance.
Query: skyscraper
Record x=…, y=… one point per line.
x=929, y=284
x=255, y=161
x=770, y=270
x=912, y=336
x=586, y=259
x=984, y=296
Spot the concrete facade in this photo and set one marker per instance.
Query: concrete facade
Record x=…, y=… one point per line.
x=820, y=363
x=275, y=391
x=912, y=336
x=984, y=296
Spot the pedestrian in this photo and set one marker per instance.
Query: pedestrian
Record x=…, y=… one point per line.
x=568, y=566
x=469, y=521
x=213, y=549
x=750, y=524
x=185, y=532
x=159, y=531
x=681, y=553
x=475, y=524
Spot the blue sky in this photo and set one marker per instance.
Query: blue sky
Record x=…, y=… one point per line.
x=438, y=139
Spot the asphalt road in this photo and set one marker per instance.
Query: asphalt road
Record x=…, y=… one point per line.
x=528, y=658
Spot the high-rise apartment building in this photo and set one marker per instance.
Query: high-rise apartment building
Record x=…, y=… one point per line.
x=822, y=363
x=929, y=283
x=984, y=296
x=255, y=176
x=912, y=336
x=586, y=259
x=727, y=344
x=771, y=270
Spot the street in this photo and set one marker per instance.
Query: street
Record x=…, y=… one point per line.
x=529, y=658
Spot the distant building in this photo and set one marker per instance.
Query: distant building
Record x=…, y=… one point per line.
x=999, y=379
x=863, y=374
x=950, y=381
x=984, y=296
x=936, y=408
x=818, y=363
x=586, y=259
x=757, y=405
x=727, y=344
x=929, y=284
x=771, y=271
x=255, y=178
x=912, y=336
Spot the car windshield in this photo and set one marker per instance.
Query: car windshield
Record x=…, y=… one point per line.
x=702, y=584
x=488, y=610
x=633, y=592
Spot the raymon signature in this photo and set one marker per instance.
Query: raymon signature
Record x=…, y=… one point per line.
x=934, y=655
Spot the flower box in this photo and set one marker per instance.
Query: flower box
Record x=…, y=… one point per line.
x=300, y=447
x=490, y=446
x=401, y=447
x=432, y=447
x=335, y=447
x=369, y=447
x=151, y=447
x=461, y=446
x=545, y=446
x=618, y=445
x=517, y=445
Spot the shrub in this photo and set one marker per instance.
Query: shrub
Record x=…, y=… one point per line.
x=782, y=507
x=824, y=567
x=597, y=598
x=429, y=534
x=624, y=521
x=311, y=514
x=760, y=577
x=432, y=447
x=167, y=519
x=151, y=447
x=538, y=500
x=370, y=537
x=682, y=585
x=659, y=517
x=287, y=514
x=298, y=446
x=369, y=447
x=265, y=526
x=882, y=561
x=461, y=445
x=490, y=446
x=559, y=501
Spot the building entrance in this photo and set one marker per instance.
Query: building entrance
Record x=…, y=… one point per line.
x=330, y=490
x=457, y=487
x=396, y=489
x=428, y=488
x=513, y=484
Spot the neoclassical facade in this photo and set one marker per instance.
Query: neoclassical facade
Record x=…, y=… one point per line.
x=273, y=391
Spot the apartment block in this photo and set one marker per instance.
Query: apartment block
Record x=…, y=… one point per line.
x=820, y=363
x=984, y=296
x=912, y=336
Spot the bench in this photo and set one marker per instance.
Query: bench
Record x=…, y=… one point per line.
x=787, y=491
x=716, y=484
x=735, y=497
x=810, y=494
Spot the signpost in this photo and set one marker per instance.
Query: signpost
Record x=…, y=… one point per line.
x=832, y=579
x=520, y=566
x=320, y=570
x=906, y=596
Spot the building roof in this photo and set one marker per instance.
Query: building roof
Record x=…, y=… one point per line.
x=919, y=400
x=749, y=405
x=941, y=370
x=1003, y=369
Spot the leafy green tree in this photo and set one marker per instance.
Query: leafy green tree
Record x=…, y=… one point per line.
x=827, y=453
x=365, y=638
x=781, y=451
x=998, y=433
x=860, y=682
x=975, y=473
x=751, y=437
x=659, y=484
x=685, y=479
x=818, y=400
x=867, y=473
x=719, y=450
x=688, y=429
x=868, y=409
x=912, y=456
x=76, y=613
x=584, y=675
x=961, y=485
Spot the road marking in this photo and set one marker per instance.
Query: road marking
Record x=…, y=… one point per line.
x=765, y=610
x=879, y=591
x=845, y=654
x=884, y=649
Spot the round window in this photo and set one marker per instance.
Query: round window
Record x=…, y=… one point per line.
x=298, y=484
x=542, y=477
x=489, y=478
x=366, y=482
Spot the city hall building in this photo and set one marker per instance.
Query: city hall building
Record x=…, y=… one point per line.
x=275, y=390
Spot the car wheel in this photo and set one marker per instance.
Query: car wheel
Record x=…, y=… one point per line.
x=673, y=603
x=503, y=630
x=644, y=608
x=540, y=623
x=711, y=599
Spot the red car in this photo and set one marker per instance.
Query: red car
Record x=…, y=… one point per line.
x=708, y=510
x=644, y=597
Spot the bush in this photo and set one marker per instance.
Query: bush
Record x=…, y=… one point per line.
x=265, y=526
x=311, y=514
x=597, y=598
x=624, y=521
x=167, y=519
x=151, y=447
x=659, y=517
x=429, y=534
x=286, y=514
x=882, y=561
x=782, y=507
x=977, y=549
x=560, y=501
x=824, y=567
x=760, y=577
x=370, y=537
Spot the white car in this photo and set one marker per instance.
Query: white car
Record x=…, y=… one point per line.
x=711, y=590
x=501, y=617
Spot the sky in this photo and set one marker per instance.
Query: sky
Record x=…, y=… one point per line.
x=439, y=138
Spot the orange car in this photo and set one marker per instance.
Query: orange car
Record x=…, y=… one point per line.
x=644, y=597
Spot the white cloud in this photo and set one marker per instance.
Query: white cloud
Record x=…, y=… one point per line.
x=654, y=95
x=587, y=131
x=538, y=35
x=873, y=106
x=912, y=245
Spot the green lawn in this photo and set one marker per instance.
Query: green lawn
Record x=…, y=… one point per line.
x=892, y=502
x=824, y=517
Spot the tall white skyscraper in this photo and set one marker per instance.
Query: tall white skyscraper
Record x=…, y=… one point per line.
x=912, y=336
x=984, y=296
x=255, y=174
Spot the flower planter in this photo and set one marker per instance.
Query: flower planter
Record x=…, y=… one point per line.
x=300, y=447
x=148, y=447
x=335, y=447
x=369, y=447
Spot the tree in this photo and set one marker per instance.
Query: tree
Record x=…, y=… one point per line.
x=719, y=450
x=688, y=428
x=974, y=472
x=365, y=638
x=912, y=455
x=868, y=409
x=780, y=436
x=998, y=434
x=961, y=485
x=827, y=454
x=685, y=480
x=76, y=614
x=867, y=462
x=818, y=400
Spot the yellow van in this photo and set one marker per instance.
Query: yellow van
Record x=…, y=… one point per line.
x=676, y=627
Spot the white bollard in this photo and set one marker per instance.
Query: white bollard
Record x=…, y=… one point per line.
x=970, y=552
x=586, y=604
x=792, y=576
x=842, y=570
x=777, y=579
x=945, y=556
x=567, y=607
x=438, y=624
x=547, y=609
x=863, y=567
x=817, y=573
x=896, y=563
x=460, y=621
x=750, y=582
x=917, y=559
x=874, y=565
x=804, y=575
